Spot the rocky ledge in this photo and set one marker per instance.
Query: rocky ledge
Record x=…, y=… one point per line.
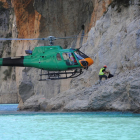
x=120, y=93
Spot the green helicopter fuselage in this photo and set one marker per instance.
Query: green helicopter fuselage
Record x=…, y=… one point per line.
x=51, y=58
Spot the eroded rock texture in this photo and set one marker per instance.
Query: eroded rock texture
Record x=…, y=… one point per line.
x=112, y=28
x=8, y=87
x=121, y=93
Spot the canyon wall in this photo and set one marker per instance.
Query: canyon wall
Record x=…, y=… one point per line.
x=112, y=30
x=8, y=87
x=113, y=40
x=35, y=19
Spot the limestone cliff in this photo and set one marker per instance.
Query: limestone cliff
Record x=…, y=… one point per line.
x=121, y=93
x=8, y=87
x=34, y=19
x=44, y=18
x=113, y=39
x=113, y=30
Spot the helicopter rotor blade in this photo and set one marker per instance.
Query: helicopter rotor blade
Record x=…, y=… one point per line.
x=4, y=39
x=66, y=37
x=75, y=36
x=49, y=38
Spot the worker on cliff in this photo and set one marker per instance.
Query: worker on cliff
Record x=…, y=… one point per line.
x=102, y=73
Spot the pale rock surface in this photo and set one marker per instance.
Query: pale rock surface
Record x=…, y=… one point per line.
x=8, y=86
x=114, y=41
x=113, y=30
x=120, y=93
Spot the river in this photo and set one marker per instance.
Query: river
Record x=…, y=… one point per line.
x=15, y=125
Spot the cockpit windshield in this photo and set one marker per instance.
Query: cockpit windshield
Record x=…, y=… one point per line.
x=80, y=55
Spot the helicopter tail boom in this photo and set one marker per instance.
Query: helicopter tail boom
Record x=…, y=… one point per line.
x=12, y=61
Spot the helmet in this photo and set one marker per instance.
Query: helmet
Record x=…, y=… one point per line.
x=105, y=66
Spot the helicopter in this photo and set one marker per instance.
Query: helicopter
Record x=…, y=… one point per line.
x=57, y=62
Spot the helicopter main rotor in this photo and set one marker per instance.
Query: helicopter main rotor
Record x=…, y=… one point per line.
x=49, y=38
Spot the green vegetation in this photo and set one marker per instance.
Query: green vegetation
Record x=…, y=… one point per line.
x=1, y=53
x=7, y=73
x=14, y=77
x=8, y=35
x=2, y=9
x=120, y=3
x=1, y=22
x=6, y=42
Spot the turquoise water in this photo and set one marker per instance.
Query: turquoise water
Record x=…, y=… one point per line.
x=16, y=125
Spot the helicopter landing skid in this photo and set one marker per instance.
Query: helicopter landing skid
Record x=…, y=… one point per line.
x=60, y=75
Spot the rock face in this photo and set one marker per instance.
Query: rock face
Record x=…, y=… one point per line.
x=8, y=86
x=57, y=18
x=120, y=93
x=112, y=28
x=114, y=41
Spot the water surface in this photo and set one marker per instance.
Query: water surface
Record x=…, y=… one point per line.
x=16, y=125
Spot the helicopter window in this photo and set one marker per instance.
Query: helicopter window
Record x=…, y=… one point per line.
x=69, y=58
x=80, y=55
x=58, y=56
x=65, y=56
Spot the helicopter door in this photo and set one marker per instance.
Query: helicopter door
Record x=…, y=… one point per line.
x=54, y=63
x=61, y=64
